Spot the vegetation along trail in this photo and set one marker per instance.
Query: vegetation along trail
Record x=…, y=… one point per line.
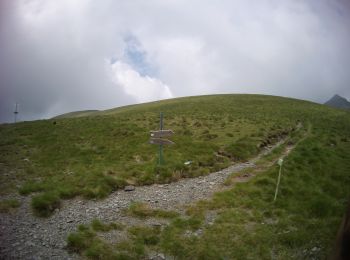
x=28, y=237
x=87, y=185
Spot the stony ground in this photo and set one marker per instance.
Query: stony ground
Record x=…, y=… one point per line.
x=24, y=236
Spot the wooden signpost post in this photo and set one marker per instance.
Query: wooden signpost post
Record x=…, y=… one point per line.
x=157, y=137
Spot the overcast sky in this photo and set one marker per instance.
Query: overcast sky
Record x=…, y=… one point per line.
x=58, y=56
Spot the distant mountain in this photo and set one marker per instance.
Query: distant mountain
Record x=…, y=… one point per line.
x=338, y=102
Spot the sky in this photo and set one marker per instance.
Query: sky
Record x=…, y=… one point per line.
x=58, y=56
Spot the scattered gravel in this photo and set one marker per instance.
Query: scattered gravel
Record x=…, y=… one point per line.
x=24, y=236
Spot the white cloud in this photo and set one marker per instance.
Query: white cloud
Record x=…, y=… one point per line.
x=52, y=55
x=142, y=88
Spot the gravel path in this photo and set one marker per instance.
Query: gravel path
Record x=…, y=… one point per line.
x=24, y=236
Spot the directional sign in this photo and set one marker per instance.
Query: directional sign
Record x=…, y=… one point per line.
x=160, y=141
x=157, y=138
x=162, y=133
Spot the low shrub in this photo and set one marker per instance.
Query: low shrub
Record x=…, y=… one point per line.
x=44, y=204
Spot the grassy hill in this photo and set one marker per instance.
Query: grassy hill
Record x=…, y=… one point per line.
x=91, y=156
x=77, y=114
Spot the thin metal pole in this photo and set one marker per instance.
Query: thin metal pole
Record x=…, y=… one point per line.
x=278, y=182
x=16, y=112
x=161, y=146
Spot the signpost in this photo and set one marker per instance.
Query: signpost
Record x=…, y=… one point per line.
x=160, y=141
x=162, y=133
x=157, y=137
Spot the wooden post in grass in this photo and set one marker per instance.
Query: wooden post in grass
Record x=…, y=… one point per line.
x=157, y=138
x=280, y=162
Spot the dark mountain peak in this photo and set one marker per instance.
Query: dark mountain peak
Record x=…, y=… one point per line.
x=338, y=102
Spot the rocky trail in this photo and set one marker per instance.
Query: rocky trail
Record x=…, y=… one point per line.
x=24, y=236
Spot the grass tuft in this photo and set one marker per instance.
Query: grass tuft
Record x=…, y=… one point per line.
x=86, y=242
x=97, y=225
x=44, y=204
x=8, y=206
x=143, y=210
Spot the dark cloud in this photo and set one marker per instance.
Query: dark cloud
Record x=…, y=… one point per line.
x=60, y=56
x=48, y=70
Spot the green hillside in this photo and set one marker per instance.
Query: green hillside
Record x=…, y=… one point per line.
x=92, y=156
x=77, y=114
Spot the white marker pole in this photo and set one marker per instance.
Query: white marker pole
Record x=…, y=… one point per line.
x=280, y=162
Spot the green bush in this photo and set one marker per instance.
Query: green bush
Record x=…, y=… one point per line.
x=44, y=204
